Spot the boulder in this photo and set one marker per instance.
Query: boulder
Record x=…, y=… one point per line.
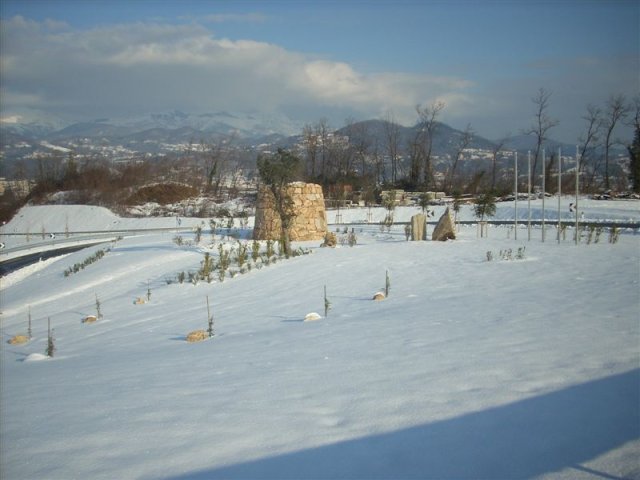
x=445, y=229
x=197, y=336
x=18, y=340
x=418, y=231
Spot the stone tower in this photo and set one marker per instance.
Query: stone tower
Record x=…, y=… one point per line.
x=310, y=222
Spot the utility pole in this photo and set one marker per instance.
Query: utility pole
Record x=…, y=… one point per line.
x=577, y=187
x=515, y=221
x=544, y=161
x=529, y=195
x=559, y=189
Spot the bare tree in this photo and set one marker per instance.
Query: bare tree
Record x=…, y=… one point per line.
x=635, y=111
x=616, y=111
x=311, y=144
x=361, y=143
x=215, y=157
x=634, y=147
x=392, y=134
x=542, y=124
x=416, y=156
x=378, y=162
x=463, y=144
x=495, y=151
x=427, y=116
x=587, y=141
x=322, y=131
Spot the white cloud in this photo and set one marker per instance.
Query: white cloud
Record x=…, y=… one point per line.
x=153, y=66
x=235, y=17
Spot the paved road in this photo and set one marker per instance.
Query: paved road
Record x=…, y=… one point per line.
x=59, y=243
x=8, y=266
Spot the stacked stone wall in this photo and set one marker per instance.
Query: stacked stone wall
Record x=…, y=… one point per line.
x=310, y=221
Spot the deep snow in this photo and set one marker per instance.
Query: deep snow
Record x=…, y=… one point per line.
x=470, y=369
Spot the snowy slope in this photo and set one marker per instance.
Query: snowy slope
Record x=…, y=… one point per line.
x=470, y=369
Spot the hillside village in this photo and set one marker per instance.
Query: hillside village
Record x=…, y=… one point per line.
x=96, y=164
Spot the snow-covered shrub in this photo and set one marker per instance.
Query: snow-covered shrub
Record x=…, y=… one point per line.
x=598, y=233
x=255, y=250
x=352, y=238
x=86, y=262
x=98, y=308
x=209, y=320
x=387, y=284
x=507, y=255
x=51, y=347
x=224, y=258
x=270, y=249
x=241, y=253
x=614, y=234
x=327, y=303
x=206, y=267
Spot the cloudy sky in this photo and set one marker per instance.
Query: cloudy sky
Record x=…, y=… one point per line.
x=87, y=59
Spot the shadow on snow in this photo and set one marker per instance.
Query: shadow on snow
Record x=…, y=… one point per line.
x=530, y=437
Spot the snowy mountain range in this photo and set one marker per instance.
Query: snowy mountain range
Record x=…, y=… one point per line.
x=244, y=124
x=29, y=135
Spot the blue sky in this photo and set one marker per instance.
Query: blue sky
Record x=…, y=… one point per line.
x=336, y=59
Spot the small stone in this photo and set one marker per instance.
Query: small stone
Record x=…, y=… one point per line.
x=312, y=317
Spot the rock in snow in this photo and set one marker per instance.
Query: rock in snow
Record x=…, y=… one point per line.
x=445, y=229
x=312, y=317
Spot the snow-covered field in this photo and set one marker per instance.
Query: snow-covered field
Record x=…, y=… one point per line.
x=522, y=368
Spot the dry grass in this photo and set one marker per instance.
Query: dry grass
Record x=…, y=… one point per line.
x=18, y=340
x=162, y=193
x=197, y=336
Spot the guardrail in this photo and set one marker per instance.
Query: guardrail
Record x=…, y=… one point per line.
x=549, y=223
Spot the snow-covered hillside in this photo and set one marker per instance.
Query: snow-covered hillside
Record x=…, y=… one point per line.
x=521, y=368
